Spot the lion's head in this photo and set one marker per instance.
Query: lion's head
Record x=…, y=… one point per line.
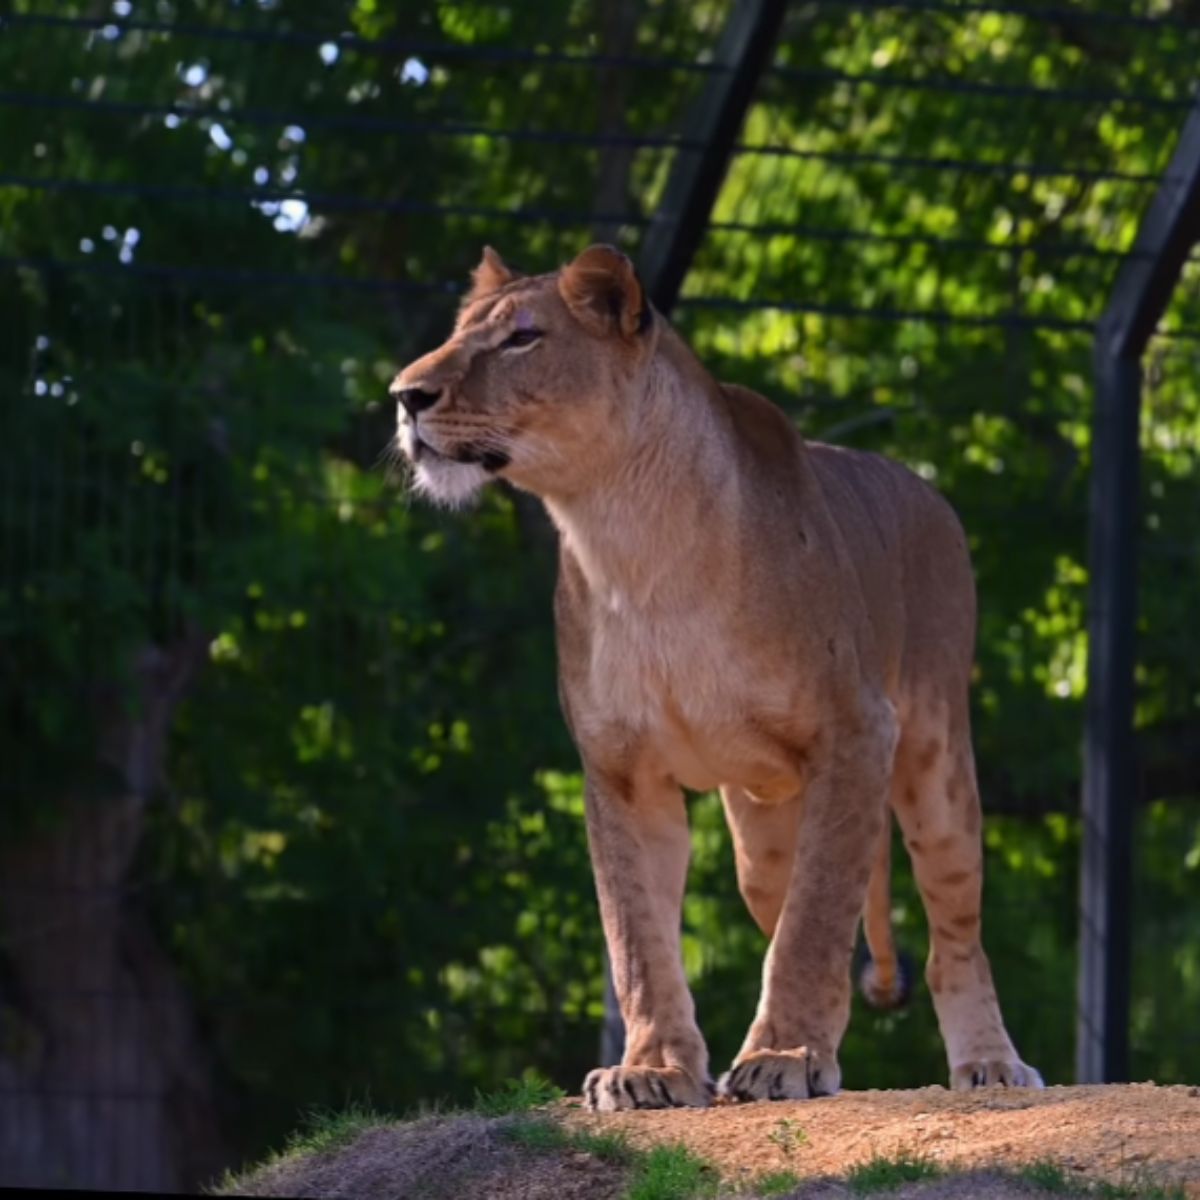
x=537, y=382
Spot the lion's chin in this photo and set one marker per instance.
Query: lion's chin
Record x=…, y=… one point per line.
x=446, y=482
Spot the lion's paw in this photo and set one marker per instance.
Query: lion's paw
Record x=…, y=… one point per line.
x=994, y=1073
x=781, y=1075
x=609, y=1089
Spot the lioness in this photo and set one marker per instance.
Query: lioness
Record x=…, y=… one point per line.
x=736, y=608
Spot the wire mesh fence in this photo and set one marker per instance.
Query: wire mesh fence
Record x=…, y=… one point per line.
x=289, y=817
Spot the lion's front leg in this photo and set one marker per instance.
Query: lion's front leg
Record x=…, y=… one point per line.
x=638, y=837
x=791, y=1049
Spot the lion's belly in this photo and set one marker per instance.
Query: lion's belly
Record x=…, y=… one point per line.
x=700, y=721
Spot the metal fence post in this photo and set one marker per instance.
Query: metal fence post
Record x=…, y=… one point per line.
x=742, y=55
x=1139, y=296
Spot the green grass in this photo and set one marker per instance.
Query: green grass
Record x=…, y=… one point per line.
x=536, y=1133
x=663, y=1173
x=1050, y=1177
x=886, y=1174
x=1138, y=1190
x=1047, y=1177
x=517, y=1096
x=671, y=1173
x=543, y=1134
x=324, y=1130
x=321, y=1130
x=777, y=1183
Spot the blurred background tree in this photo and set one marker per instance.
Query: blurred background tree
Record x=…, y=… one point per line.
x=290, y=817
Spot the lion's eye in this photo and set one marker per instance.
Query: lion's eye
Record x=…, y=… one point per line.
x=522, y=337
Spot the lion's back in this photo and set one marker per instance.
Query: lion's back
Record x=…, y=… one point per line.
x=913, y=562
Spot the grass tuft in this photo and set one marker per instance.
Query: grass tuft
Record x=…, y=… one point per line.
x=776, y=1183
x=517, y=1096
x=543, y=1135
x=886, y=1174
x=1047, y=1177
x=535, y=1133
x=611, y=1147
x=321, y=1130
x=324, y=1129
x=1138, y=1190
x=671, y=1173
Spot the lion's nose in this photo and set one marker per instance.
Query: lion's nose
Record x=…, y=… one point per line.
x=415, y=399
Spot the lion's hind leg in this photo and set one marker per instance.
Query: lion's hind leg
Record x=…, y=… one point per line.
x=937, y=803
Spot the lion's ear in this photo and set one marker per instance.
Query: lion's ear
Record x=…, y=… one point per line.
x=602, y=290
x=491, y=275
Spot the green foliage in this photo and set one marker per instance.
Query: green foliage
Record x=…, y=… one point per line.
x=544, y=1134
x=671, y=1173
x=322, y=1131
x=536, y=1133
x=1139, y=1189
x=776, y=1183
x=517, y=1096
x=788, y=1135
x=1047, y=1176
x=329, y=1129
x=882, y=1174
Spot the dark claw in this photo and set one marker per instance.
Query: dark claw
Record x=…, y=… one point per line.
x=754, y=1074
x=631, y=1094
x=776, y=1090
x=663, y=1095
x=592, y=1097
x=977, y=1079
x=614, y=1088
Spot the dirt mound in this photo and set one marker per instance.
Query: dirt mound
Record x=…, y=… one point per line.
x=1120, y=1133
x=1137, y=1136
x=434, y=1158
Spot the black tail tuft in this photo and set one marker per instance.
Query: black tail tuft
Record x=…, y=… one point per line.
x=898, y=994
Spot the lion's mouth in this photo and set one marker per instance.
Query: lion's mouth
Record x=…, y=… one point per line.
x=419, y=450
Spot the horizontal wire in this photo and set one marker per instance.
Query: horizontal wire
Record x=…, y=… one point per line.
x=353, y=41
x=964, y=87
x=435, y=51
x=448, y=51
x=1061, y=250
x=362, y=122
x=335, y=202
x=327, y=201
x=450, y=289
x=1051, y=14
x=964, y=165
x=238, y=275
x=933, y=315
x=416, y=46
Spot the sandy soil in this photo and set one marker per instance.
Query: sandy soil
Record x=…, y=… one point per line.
x=1137, y=1135
x=1119, y=1133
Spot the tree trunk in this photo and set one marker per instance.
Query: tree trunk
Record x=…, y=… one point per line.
x=103, y=1080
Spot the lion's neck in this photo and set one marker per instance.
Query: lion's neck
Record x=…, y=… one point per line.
x=638, y=534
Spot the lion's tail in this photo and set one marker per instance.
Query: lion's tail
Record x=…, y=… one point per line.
x=886, y=977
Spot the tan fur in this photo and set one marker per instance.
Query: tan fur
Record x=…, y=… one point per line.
x=790, y=622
